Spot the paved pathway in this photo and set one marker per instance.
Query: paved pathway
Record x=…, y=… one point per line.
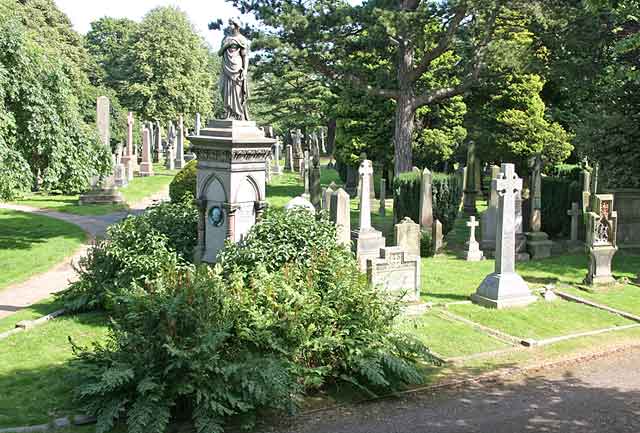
x=600, y=396
x=38, y=287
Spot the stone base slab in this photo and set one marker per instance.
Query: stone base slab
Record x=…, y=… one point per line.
x=538, y=245
x=101, y=197
x=503, y=291
x=146, y=169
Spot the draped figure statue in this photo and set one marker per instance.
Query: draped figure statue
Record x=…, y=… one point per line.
x=234, y=83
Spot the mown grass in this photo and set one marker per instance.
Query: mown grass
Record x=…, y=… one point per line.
x=138, y=189
x=36, y=377
x=31, y=243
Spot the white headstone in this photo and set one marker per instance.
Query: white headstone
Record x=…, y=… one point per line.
x=340, y=214
x=474, y=254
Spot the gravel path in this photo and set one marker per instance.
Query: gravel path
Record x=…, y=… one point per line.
x=41, y=286
x=600, y=396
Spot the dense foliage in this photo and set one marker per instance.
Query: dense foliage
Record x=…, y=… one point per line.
x=135, y=253
x=184, y=182
x=47, y=102
x=223, y=344
x=445, y=190
x=557, y=196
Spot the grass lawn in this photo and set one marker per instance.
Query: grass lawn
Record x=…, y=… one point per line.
x=138, y=189
x=33, y=312
x=450, y=338
x=30, y=244
x=36, y=378
x=542, y=319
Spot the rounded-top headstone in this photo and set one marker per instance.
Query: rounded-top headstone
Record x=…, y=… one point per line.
x=300, y=202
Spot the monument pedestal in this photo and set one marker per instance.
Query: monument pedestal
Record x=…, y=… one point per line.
x=469, y=203
x=502, y=291
x=102, y=196
x=146, y=169
x=368, y=244
x=230, y=183
x=396, y=272
x=538, y=245
x=600, y=258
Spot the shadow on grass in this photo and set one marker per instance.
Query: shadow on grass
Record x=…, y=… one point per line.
x=451, y=297
x=22, y=231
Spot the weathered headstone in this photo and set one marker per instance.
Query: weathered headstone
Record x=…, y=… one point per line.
x=103, y=121
x=120, y=173
x=198, y=124
x=538, y=243
x=306, y=169
x=326, y=195
x=426, y=201
x=602, y=226
x=179, y=158
x=489, y=217
x=288, y=158
x=474, y=254
x=352, y=180
x=298, y=155
x=146, y=166
x=157, y=148
x=128, y=157
x=300, y=202
x=397, y=272
x=437, y=238
x=470, y=191
x=369, y=241
x=314, y=180
x=278, y=169
x=383, y=197
x=574, y=243
x=504, y=287
x=408, y=236
x=340, y=214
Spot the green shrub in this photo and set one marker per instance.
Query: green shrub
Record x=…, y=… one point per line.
x=184, y=182
x=445, y=191
x=135, y=252
x=426, y=244
x=557, y=196
x=215, y=347
x=568, y=171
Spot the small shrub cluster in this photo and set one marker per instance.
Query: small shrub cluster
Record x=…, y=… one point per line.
x=184, y=182
x=426, y=244
x=135, y=252
x=223, y=344
x=446, y=194
x=557, y=196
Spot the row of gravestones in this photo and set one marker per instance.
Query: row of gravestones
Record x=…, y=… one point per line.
x=125, y=161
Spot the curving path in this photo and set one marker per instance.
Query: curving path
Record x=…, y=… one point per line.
x=41, y=286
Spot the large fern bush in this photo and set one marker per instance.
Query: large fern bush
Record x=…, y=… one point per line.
x=225, y=343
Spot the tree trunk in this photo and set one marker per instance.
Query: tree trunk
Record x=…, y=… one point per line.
x=331, y=136
x=405, y=112
x=405, y=115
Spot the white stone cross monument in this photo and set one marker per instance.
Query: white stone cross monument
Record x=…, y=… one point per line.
x=369, y=241
x=474, y=254
x=504, y=287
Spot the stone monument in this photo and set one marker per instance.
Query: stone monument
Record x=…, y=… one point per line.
x=538, y=243
x=575, y=213
x=103, y=189
x=470, y=187
x=473, y=254
x=408, y=236
x=128, y=157
x=278, y=168
x=179, y=154
x=288, y=158
x=504, y=287
x=437, y=238
x=198, y=124
x=426, y=201
x=340, y=214
x=602, y=225
x=489, y=217
x=369, y=241
x=396, y=272
x=146, y=166
x=314, y=179
x=383, y=197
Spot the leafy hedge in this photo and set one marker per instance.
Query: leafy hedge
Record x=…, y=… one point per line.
x=222, y=344
x=557, y=196
x=184, y=182
x=136, y=252
x=446, y=197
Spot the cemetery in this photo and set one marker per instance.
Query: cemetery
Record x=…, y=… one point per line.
x=213, y=238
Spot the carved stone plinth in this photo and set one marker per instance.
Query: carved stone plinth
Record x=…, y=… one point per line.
x=503, y=290
x=230, y=185
x=538, y=245
x=600, y=258
x=396, y=272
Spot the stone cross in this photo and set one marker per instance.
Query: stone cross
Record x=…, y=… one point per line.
x=474, y=253
x=103, y=119
x=366, y=173
x=198, y=125
x=383, y=196
x=504, y=287
x=426, y=201
x=508, y=185
x=574, y=213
